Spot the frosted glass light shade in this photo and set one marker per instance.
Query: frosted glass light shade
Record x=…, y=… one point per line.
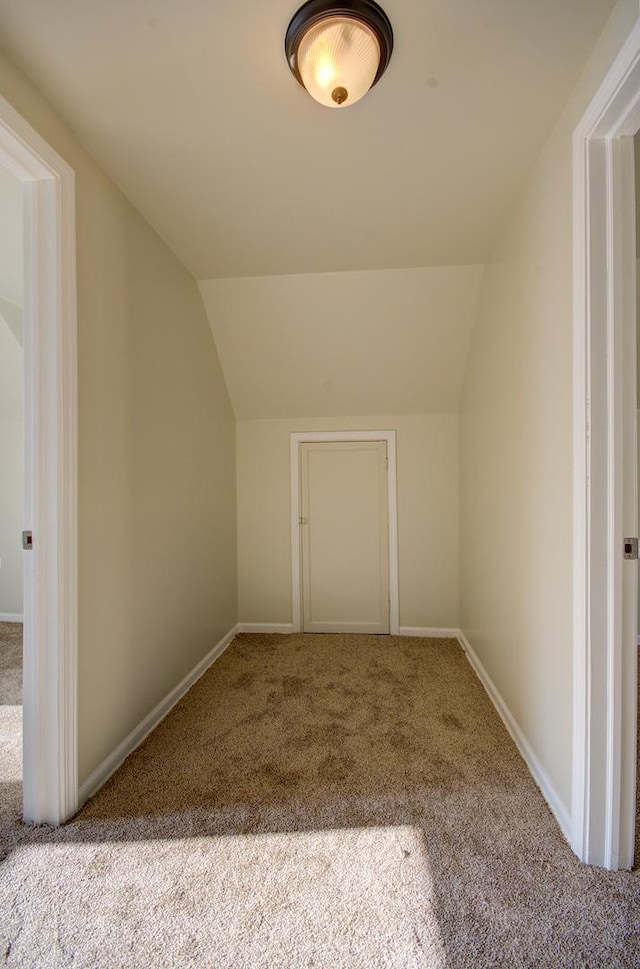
x=338, y=49
x=338, y=59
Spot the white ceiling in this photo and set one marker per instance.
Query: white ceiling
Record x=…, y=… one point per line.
x=361, y=343
x=191, y=109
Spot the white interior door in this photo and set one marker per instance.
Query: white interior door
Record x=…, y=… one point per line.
x=344, y=536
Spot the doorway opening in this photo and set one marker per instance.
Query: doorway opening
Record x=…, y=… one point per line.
x=11, y=487
x=50, y=782
x=379, y=530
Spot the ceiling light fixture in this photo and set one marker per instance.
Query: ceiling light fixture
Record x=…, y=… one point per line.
x=338, y=51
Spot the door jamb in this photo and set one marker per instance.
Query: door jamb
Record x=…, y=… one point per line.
x=605, y=714
x=50, y=569
x=313, y=436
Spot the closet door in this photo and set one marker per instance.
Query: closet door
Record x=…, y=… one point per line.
x=344, y=537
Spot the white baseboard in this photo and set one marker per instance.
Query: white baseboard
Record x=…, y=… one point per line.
x=110, y=764
x=428, y=632
x=265, y=627
x=538, y=772
x=11, y=617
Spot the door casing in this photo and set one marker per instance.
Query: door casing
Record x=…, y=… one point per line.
x=604, y=278
x=50, y=761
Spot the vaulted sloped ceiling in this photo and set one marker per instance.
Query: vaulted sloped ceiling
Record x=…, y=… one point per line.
x=190, y=107
x=380, y=342
x=330, y=217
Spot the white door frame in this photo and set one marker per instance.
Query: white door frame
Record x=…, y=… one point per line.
x=50, y=571
x=605, y=717
x=309, y=437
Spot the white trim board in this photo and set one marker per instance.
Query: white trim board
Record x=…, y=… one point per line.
x=538, y=772
x=116, y=758
x=604, y=668
x=422, y=632
x=428, y=632
x=392, y=489
x=265, y=627
x=11, y=617
x=50, y=508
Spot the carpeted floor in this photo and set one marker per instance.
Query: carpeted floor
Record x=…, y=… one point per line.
x=10, y=663
x=10, y=727
x=316, y=801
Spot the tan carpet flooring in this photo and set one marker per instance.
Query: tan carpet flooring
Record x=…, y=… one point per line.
x=316, y=801
x=10, y=730
x=10, y=663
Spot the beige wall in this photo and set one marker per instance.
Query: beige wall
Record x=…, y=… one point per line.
x=11, y=492
x=157, y=544
x=516, y=447
x=427, y=478
x=11, y=253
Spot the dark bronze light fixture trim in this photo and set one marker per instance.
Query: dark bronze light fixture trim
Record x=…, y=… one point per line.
x=316, y=11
